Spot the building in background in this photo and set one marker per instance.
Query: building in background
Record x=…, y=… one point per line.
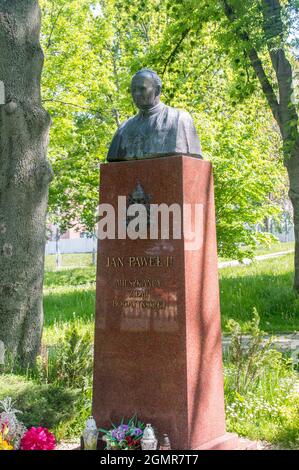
x=74, y=240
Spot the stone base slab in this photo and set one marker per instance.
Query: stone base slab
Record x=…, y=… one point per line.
x=228, y=441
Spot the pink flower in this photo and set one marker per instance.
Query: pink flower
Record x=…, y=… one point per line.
x=38, y=439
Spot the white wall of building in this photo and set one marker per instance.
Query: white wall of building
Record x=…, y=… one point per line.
x=75, y=245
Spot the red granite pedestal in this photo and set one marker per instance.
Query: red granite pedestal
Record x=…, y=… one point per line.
x=158, y=337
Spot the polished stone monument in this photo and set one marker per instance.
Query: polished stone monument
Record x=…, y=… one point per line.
x=158, y=334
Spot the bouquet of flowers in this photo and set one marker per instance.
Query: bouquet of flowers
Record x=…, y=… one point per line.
x=11, y=429
x=38, y=439
x=14, y=435
x=4, y=439
x=125, y=436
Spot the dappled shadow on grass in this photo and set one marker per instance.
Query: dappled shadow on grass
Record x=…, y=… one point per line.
x=271, y=294
x=41, y=405
x=69, y=305
x=70, y=277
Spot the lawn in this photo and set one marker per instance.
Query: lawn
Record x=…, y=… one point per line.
x=69, y=261
x=274, y=248
x=265, y=250
x=266, y=285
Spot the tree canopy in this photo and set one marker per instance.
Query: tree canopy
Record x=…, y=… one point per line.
x=92, y=48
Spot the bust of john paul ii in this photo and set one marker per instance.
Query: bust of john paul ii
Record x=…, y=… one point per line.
x=157, y=130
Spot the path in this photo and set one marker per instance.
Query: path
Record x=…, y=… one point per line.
x=247, y=261
x=283, y=342
x=74, y=444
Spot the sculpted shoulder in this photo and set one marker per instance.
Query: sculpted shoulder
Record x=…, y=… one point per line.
x=184, y=115
x=125, y=124
x=178, y=115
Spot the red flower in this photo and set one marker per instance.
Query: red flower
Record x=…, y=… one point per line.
x=129, y=440
x=38, y=439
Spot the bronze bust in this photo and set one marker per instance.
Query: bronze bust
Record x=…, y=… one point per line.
x=157, y=130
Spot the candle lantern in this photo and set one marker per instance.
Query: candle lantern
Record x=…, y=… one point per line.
x=149, y=441
x=90, y=434
x=165, y=443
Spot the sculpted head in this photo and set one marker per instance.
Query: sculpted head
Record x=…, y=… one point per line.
x=146, y=88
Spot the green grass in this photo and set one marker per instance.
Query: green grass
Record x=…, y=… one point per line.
x=274, y=248
x=70, y=277
x=266, y=250
x=267, y=409
x=266, y=285
x=69, y=261
x=65, y=304
x=69, y=297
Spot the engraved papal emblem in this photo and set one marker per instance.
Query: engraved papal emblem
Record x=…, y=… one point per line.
x=139, y=196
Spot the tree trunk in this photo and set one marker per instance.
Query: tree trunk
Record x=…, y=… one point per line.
x=25, y=175
x=293, y=171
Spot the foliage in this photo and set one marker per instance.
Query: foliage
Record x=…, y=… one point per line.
x=57, y=392
x=74, y=427
x=73, y=277
x=265, y=409
x=69, y=363
x=71, y=82
x=91, y=51
x=42, y=404
x=14, y=435
x=261, y=388
x=252, y=356
x=267, y=412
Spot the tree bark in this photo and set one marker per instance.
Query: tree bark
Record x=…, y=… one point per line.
x=25, y=175
x=293, y=172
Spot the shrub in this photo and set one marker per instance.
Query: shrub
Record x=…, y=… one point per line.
x=250, y=356
x=41, y=405
x=70, y=363
x=261, y=387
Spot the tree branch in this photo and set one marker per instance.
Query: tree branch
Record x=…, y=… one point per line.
x=256, y=64
x=145, y=30
x=94, y=111
x=116, y=117
x=53, y=26
x=265, y=83
x=175, y=50
x=273, y=29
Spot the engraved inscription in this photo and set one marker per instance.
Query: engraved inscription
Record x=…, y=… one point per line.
x=139, y=261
